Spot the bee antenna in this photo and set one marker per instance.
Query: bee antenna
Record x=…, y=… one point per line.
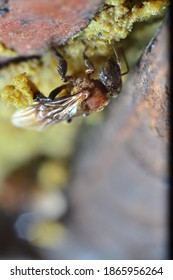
x=115, y=52
x=118, y=61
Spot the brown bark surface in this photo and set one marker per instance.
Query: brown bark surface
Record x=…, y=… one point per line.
x=119, y=183
x=30, y=26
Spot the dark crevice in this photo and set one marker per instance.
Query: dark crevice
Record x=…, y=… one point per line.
x=4, y=8
x=17, y=60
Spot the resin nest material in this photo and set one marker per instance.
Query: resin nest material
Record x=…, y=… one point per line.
x=20, y=93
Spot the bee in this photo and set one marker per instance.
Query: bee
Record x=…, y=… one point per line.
x=84, y=95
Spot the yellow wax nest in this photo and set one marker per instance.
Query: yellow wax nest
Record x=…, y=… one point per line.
x=20, y=93
x=114, y=23
x=117, y=19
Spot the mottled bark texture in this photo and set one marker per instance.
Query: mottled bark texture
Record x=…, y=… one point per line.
x=119, y=185
x=30, y=26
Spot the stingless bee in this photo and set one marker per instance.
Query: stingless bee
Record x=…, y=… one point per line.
x=84, y=95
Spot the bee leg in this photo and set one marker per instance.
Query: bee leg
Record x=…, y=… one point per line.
x=56, y=91
x=89, y=65
x=38, y=96
x=62, y=67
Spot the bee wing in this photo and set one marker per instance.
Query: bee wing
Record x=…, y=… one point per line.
x=42, y=114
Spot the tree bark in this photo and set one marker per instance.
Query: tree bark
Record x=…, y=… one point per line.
x=118, y=191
